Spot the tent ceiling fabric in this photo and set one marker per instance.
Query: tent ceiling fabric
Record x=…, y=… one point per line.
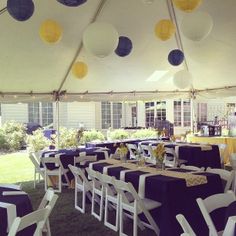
x=28, y=65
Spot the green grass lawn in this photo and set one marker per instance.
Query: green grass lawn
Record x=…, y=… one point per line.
x=16, y=167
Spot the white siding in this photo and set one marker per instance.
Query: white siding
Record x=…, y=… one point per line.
x=17, y=112
x=81, y=112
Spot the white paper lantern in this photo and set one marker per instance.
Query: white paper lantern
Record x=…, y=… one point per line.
x=100, y=39
x=182, y=79
x=197, y=25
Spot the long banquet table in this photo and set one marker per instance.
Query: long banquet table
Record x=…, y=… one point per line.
x=11, y=207
x=174, y=194
x=195, y=154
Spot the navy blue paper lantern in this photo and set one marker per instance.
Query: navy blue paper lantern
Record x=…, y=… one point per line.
x=72, y=3
x=20, y=10
x=176, y=57
x=124, y=46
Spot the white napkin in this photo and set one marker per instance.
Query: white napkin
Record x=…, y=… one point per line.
x=13, y=193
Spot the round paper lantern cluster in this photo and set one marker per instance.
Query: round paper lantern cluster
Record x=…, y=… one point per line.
x=100, y=39
x=79, y=69
x=72, y=3
x=50, y=31
x=182, y=79
x=197, y=25
x=20, y=10
x=124, y=46
x=164, y=29
x=175, y=57
x=187, y=5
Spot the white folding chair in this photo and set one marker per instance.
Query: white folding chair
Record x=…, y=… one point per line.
x=225, y=175
x=37, y=169
x=82, y=184
x=56, y=170
x=171, y=159
x=111, y=199
x=97, y=193
x=185, y=225
x=212, y=203
x=232, y=160
x=230, y=227
x=49, y=199
x=193, y=168
x=133, y=150
x=38, y=217
x=80, y=161
x=135, y=207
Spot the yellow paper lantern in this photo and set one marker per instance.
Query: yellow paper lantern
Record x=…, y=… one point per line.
x=80, y=70
x=50, y=31
x=187, y=5
x=164, y=29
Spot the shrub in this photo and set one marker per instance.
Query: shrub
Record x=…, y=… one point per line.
x=37, y=141
x=4, y=146
x=92, y=135
x=119, y=134
x=14, y=133
x=68, y=138
x=145, y=133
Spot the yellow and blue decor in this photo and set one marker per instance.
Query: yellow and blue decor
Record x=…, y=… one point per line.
x=124, y=46
x=176, y=57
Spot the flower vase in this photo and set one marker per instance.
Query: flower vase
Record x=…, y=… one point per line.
x=160, y=165
x=123, y=158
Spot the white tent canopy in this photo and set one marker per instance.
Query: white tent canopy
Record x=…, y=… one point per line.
x=34, y=70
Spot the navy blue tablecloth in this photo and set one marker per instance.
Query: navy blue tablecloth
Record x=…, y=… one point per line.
x=23, y=207
x=175, y=197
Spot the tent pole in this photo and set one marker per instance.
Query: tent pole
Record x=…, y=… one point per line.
x=57, y=123
x=193, y=115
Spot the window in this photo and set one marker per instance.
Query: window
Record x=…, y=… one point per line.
x=177, y=113
x=33, y=111
x=111, y=114
x=149, y=112
x=202, y=112
x=134, y=116
x=41, y=113
x=47, y=113
x=161, y=110
x=187, y=113
x=117, y=114
x=182, y=113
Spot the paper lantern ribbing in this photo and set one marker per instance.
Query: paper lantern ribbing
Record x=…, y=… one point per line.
x=176, y=57
x=124, y=46
x=50, y=31
x=80, y=70
x=164, y=29
x=197, y=25
x=20, y=10
x=182, y=79
x=187, y=5
x=100, y=39
x=72, y=3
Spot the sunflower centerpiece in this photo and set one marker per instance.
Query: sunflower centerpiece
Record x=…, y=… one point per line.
x=159, y=154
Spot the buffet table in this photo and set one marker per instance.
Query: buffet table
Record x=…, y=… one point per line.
x=11, y=207
x=229, y=141
x=174, y=191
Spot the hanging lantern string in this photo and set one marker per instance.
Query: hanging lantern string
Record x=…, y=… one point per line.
x=177, y=34
x=97, y=13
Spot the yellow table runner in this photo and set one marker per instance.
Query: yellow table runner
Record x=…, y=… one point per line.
x=190, y=179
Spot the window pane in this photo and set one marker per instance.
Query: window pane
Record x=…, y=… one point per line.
x=161, y=110
x=149, y=113
x=47, y=113
x=106, y=115
x=187, y=113
x=33, y=112
x=177, y=113
x=117, y=114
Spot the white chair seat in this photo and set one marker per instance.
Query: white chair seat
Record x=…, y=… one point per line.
x=150, y=204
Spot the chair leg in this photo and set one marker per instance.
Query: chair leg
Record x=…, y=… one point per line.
x=34, y=178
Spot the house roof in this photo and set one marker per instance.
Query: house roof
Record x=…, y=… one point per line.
x=32, y=69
